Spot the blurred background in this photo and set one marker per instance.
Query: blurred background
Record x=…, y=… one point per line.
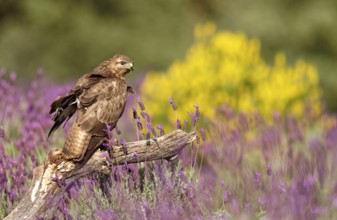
x=68, y=38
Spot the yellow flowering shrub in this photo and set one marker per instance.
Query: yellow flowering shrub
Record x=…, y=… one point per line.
x=227, y=68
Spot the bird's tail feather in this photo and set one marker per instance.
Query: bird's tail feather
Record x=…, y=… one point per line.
x=80, y=145
x=65, y=108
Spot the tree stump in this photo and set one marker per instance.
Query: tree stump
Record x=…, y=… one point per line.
x=51, y=179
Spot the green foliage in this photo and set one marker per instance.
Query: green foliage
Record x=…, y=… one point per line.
x=67, y=38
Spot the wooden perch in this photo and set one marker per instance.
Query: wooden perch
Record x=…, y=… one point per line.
x=51, y=179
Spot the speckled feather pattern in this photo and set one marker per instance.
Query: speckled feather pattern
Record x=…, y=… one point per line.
x=97, y=99
x=91, y=121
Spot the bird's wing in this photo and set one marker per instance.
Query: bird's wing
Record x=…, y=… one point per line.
x=65, y=107
x=109, y=98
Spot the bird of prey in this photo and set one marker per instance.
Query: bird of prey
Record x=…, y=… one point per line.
x=98, y=98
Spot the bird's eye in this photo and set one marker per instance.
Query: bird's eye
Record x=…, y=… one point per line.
x=123, y=62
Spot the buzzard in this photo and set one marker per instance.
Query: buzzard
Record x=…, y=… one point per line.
x=99, y=99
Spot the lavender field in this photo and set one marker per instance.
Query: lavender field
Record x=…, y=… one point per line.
x=244, y=92
x=242, y=165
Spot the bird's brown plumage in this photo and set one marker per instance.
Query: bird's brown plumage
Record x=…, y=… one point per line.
x=99, y=99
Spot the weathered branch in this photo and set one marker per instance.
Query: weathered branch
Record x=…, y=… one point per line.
x=51, y=179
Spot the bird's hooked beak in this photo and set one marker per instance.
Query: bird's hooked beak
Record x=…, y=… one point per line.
x=131, y=67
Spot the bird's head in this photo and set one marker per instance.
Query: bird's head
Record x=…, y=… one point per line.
x=120, y=64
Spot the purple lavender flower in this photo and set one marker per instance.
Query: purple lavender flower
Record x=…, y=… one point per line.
x=174, y=106
x=250, y=139
x=178, y=124
x=12, y=76
x=108, y=131
x=319, y=153
x=141, y=104
x=282, y=187
x=2, y=132
x=227, y=196
x=269, y=172
x=135, y=155
x=150, y=128
x=197, y=139
x=134, y=113
x=35, y=162
x=243, y=121
x=125, y=150
x=276, y=117
x=106, y=214
x=248, y=207
x=147, y=209
x=139, y=125
x=182, y=176
x=161, y=130
x=60, y=181
x=226, y=111
x=197, y=111
x=63, y=208
x=257, y=177
x=148, y=135
x=146, y=116
x=262, y=201
x=12, y=195
x=203, y=135
x=331, y=137
x=194, y=119
x=295, y=133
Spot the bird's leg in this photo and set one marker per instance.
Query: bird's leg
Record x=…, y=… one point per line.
x=55, y=156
